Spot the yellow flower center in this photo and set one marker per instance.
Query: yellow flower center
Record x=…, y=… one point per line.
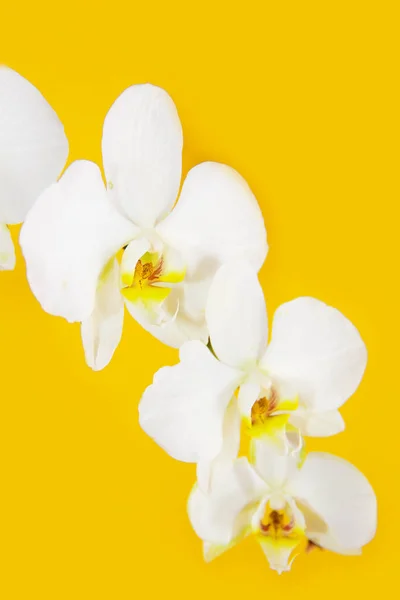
x=147, y=273
x=270, y=415
x=151, y=281
x=263, y=408
x=276, y=523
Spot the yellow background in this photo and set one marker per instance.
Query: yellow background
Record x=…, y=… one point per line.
x=302, y=98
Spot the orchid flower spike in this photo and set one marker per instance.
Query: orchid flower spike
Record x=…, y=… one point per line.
x=289, y=506
x=294, y=385
x=78, y=226
x=33, y=152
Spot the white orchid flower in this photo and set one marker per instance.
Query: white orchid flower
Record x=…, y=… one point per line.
x=72, y=235
x=289, y=507
x=312, y=365
x=33, y=152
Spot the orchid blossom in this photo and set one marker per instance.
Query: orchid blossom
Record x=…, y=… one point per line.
x=289, y=506
x=293, y=385
x=33, y=152
x=76, y=232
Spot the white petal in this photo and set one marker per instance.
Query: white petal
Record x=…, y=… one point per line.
x=33, y=146
x=175, y=332
x=341, y=496
x=274, y=467
x=7, y=250
x=189, y=321
x=236, y=315
x=142, y=153
x=183, y=410
x=327, y=542
x=194, y=300
x=68, y=237
x=317, y=424
x=248, y=394
x=317, y=351
x=241, y=530
x=216, y=219
x=102, y=332
x=215, y=516
x=209, y=471
x=280, y=552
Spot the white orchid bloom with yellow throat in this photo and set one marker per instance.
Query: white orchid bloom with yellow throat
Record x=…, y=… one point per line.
x=33, y=152
x=295, y=383
x=170, y=253
x=287, y=505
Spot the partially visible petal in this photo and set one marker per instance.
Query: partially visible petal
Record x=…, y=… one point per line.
x=249, y=392
x=151, y=303
x=189, y=321
x=173, y=332
x=142, y=153
x=209, y=471
x=274, y=467
x=132, y=253
x=318, y=530
x=215, y=516
x=194, y=300
x=341, y=496
x=236, y=315
x=317, y=424
x=327, y=542
x=7, y=250
x=217, y=219
x=70, y=234
x=33, y=145
x=184, y=409
x=274, y=431
x=279, y=552
x=242, y=528
x=102, y=332
x=173, y=267
x=317, y=351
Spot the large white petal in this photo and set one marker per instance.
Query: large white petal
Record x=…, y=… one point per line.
x=216, y=219
x=341, y=496
x=142, y=153
x=183, y=410
x=102, y=331
x=70, y=234
x=215, y=516
x=7, y=250
x=236, y=315
x=33, y=145
x=317, y=351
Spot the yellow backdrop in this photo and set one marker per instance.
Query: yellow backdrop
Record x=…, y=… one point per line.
x=300, y=97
